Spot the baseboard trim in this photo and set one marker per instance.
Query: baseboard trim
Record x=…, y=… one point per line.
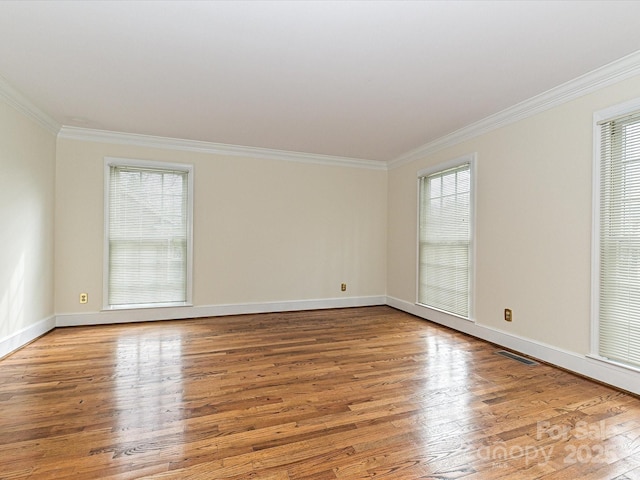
x=180, y=313
x=600, y=371
x=19, y=339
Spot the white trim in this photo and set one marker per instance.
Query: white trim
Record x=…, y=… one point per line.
x=587, y=366
x=21, y=338
x=614, y=111
x=594, y=340
x=448, y=164
x=472, y=160
x=131, y=162
x=606, y=114
x=617, y=364
x=179, y=313
x=614, y=72
x=473, y=166
x=120, y=138
x=21, y=103
x=136, y=306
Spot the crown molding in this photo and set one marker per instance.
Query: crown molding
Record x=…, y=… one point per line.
x=18, y=101
x=614, y=72
x=150, y=141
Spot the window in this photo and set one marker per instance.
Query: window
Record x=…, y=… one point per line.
x=445, y=243
x=148, y=234
x=617, y=241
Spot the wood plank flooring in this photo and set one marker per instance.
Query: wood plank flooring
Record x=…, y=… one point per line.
x=336, y=394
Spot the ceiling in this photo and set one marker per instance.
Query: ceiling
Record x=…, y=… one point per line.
x=360, y=79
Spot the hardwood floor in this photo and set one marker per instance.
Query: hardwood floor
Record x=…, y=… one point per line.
x=337, y=394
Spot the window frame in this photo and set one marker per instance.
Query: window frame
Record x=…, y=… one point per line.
x=152, y=165
x=471, y=159
x=608, y=114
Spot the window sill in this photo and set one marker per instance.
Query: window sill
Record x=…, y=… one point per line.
x=613, y=363
x=455, y=315
x=140, y=306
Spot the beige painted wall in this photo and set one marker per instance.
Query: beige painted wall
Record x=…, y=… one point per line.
x=270, y=231
x=533, y=219
x=27, y=157
x=264, y=230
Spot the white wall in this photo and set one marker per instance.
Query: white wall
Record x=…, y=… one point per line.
x=27, y=159
x=265, y=231
x=534, y=204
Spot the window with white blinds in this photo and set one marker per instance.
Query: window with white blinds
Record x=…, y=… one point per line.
x=618, y=252
x=446, y=238
x=148, y=234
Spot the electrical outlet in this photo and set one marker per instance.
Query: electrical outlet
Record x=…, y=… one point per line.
x=508, y=315
x=84, y=297
x=343, y=287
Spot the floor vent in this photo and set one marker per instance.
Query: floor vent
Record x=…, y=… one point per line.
x=518, y=358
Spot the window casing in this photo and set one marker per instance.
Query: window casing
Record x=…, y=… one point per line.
x=616, y=239
x=148, y=234
x=446, y=237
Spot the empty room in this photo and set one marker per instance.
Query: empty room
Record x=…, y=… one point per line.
x=320, y=240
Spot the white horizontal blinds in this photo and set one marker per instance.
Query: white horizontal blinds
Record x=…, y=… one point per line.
x=445, y=240
x=619, y=315
x=148, y=236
